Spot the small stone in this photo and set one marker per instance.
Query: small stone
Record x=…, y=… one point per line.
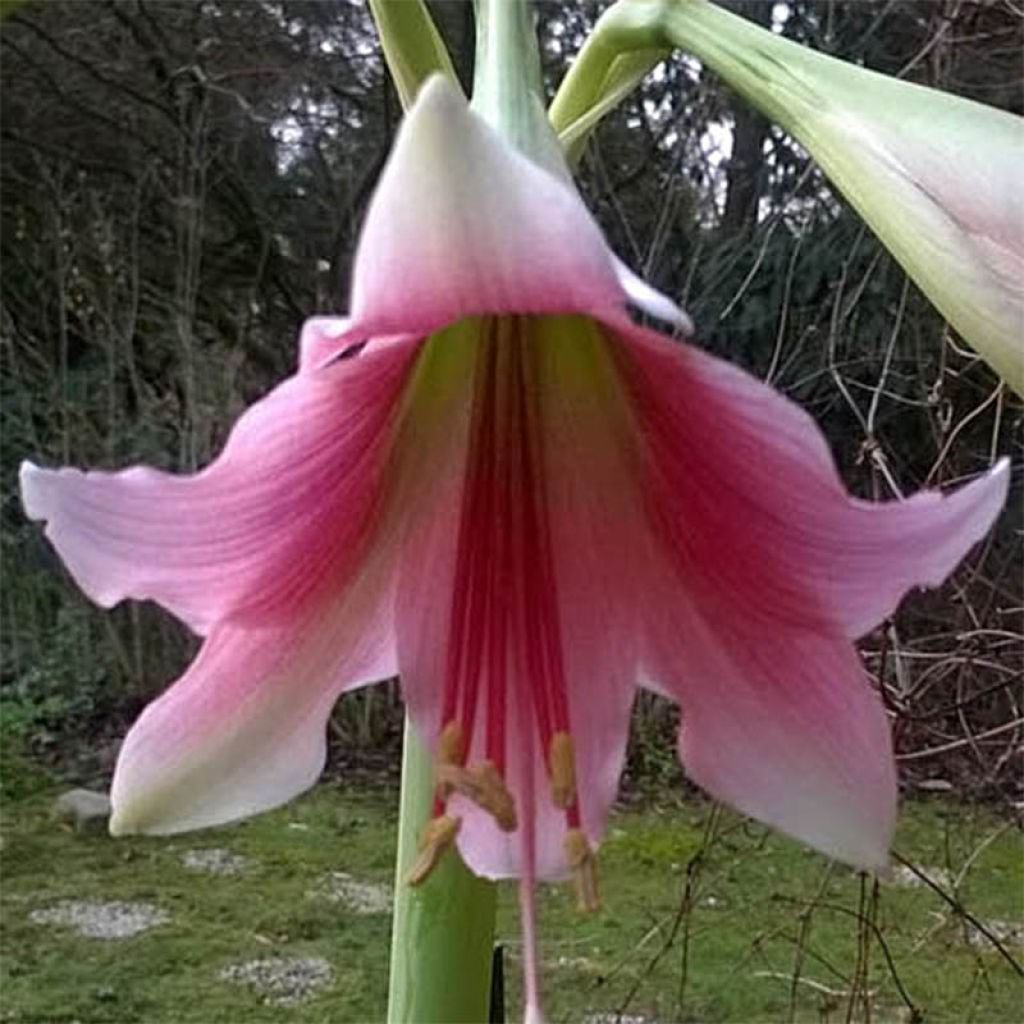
x=282, y=981
x=359, y=897
x=1009, y=933
x=114, y=920
x=577, y=963
x=903, y=876
x=215, y=861
x=85, y=809
x=616, y=1018
x=935, y=785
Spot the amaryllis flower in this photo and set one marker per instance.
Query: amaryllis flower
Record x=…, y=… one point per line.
x=490, y=481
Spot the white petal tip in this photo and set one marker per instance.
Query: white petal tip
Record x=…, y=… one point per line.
x=33, y=499
x=123, y=822
x=862, y=852
x=877, y=864
x=651, y=301
x=138, y=819
x=118, y=827
x=131, y=813
x=438, y=91
x=992, y=489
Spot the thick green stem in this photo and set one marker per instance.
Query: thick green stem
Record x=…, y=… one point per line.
x=507, y=88
x=443, y=930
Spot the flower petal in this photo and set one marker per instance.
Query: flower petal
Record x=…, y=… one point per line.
x=781, y=724
x=749, y=502
x=769, y=570
x=287, y=506
x=244, y=729
x=323, y=338
x=463, y=224
x=650, y=301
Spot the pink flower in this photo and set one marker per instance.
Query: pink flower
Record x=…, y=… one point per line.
x=489, y=480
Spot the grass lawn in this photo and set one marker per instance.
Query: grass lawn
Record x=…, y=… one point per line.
x=706, y=918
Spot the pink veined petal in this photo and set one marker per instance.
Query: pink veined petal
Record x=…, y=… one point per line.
x=462, y=224
x=779, y=722
x=769, y=570
x=747, y=495
x=286, y=510
x=244, y=729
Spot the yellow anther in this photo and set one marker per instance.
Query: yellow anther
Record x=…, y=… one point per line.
x=451, y=744
x=562, y=768
x=482, y=783
x=583, y=863
x=439, y=834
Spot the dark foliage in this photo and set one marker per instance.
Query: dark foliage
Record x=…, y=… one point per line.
x=182, y=183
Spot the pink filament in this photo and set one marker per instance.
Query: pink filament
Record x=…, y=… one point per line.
x=504, y=611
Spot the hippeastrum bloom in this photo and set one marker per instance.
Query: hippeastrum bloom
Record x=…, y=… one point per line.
x=489, y=480
x=936, y=176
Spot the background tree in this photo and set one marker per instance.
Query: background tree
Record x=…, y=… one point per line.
x=183, y=183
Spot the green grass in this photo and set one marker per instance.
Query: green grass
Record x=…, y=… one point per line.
x=757, y=904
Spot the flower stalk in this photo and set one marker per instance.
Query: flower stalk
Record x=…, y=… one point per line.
x=507, y=87
x=443, y=930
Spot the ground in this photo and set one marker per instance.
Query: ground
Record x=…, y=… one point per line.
x=706, y=918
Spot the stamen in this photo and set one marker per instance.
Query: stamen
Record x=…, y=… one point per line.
x=451, y=750
x=584, y=870
x=438, y=835
x=482, y=783
x=451, y=744
x=562, y=768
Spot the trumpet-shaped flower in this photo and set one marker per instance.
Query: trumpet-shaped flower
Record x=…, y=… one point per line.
x=936, y=176
x=490, y=481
